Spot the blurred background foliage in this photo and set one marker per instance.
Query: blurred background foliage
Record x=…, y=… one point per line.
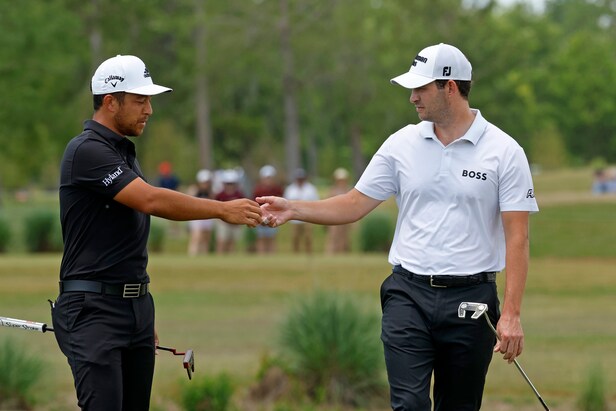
x=301, y=82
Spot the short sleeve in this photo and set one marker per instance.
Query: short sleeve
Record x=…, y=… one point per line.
x=378, y=179
x=97, y=166
x=516, y=191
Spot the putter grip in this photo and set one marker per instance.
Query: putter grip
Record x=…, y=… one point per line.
x=23, y=324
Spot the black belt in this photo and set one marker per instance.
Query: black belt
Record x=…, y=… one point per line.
x=122, y=290
x=444, y=281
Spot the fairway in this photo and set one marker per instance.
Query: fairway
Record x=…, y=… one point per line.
x=228, y=309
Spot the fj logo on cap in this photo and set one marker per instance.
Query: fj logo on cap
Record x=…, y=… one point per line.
x=447, y=71
x=146, y=73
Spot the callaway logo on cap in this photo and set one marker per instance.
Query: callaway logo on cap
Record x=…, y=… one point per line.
x=124, y=73
x=440, y=62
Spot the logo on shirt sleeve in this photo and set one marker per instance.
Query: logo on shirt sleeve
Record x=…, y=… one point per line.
x=530, y=193
x=112, y=176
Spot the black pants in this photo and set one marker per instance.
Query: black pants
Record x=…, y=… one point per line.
x=422, y=334
x=109, y=344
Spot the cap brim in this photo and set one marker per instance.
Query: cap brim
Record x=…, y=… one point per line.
x=149, y=90
x=411, y=80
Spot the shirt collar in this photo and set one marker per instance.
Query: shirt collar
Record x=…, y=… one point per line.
x=473, y=134
x=103, y=131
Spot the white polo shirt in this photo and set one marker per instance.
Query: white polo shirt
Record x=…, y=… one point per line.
x=450, y=198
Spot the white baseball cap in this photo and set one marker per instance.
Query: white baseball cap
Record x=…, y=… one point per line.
x=230, y=177
x=439, y=62
x=204, y=176
x=341, y=174
x=124, y=73
x=267, y=171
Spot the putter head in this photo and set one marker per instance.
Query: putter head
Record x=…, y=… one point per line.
x=189, y=363
x=478, y=309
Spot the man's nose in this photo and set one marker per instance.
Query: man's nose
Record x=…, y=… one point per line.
x=148, y=107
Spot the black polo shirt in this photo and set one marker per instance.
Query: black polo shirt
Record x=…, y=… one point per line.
x=103, y=239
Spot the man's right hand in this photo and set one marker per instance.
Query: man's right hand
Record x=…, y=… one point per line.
x=241, y=211
x=275, y=210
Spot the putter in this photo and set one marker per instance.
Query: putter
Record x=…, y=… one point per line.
x=479, y=309
x=189, y=357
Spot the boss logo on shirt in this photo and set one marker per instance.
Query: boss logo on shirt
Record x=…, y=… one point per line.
x=474, y=174
x=112, y=176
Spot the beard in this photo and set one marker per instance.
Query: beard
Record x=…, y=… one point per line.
x=128, y=127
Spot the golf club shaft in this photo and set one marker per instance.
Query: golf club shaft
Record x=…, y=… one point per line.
x=24, y=325
x=517, y=364
x=42, y=327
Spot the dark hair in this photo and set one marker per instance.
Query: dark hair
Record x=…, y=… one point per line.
x=463, y=86
x=97, y=99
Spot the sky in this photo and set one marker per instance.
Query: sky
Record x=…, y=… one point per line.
x=536, y=4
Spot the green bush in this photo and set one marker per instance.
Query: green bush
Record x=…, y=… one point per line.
x=19, y=375
x=208, y=394
x=5, y=234
x=250, y=239
x=593, y=396
x=333, y=346
x=376, y=233
x=156, y=239
x=42, y=231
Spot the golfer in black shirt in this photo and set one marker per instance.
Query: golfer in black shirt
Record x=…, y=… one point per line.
x=104, y=315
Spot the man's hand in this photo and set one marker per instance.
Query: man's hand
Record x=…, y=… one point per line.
x=511, y=343
x=155, y=341
x=241, y=211
x=275, y=210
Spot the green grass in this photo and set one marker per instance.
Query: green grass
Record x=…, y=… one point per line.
x=565, y=180
x=228, y=309
x=574, y=230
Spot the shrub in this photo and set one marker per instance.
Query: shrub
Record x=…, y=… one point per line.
x=250, y=239
x=333, y=346
x=208, y=394
x=5, y=235
x=156, y=239
x=19, y=375
x=376, y=233
x=42, y=231
x=593, y=397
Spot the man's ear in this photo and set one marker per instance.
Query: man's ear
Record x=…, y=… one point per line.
x=110, y=103
x=452, y=87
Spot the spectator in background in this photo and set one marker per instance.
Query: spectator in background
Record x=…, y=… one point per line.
x=267, y=185
x=228, y=235
x=201, y=230
x=337, y=240
x=604, y=181
x=301, y=189
x=166, y=177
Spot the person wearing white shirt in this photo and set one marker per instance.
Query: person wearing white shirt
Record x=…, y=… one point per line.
x=464, y=193
x=301, y=189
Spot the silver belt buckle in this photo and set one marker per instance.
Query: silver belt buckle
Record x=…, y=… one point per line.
x=132, y=290
x=435, y=285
